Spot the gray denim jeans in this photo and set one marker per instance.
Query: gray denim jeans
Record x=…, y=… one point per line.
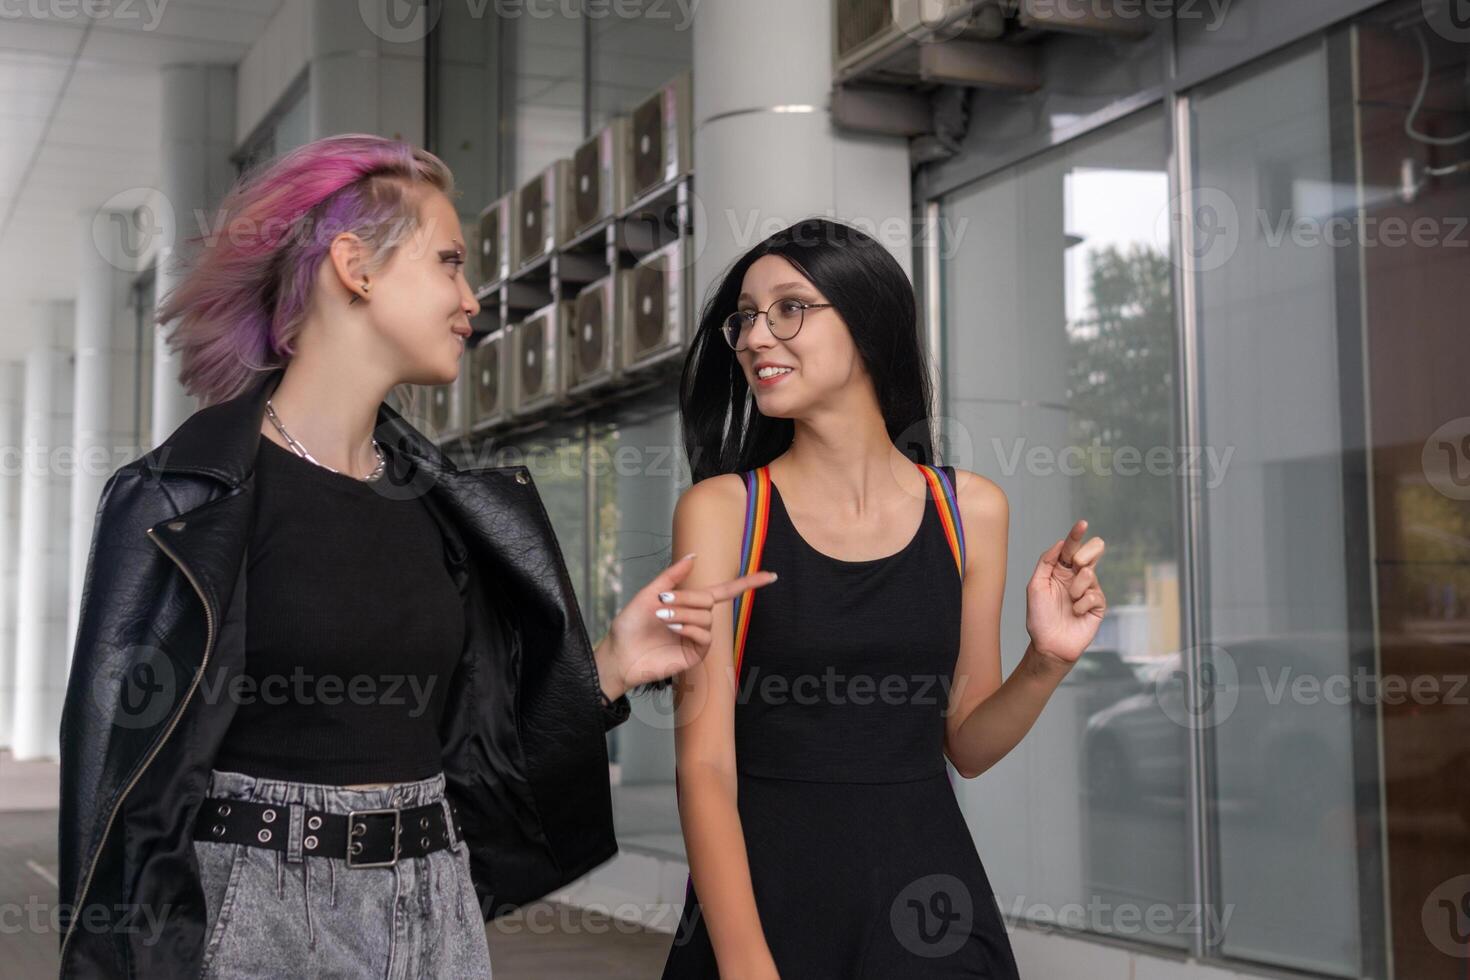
x=287, y=914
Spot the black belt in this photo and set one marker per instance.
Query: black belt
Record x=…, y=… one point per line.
x=378, y=837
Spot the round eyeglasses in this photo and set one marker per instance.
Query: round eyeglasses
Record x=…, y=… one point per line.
x=784, y=316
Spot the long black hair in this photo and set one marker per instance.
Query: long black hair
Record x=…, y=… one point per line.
x=723, y=431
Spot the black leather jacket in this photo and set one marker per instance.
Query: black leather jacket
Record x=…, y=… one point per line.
x=162, y=610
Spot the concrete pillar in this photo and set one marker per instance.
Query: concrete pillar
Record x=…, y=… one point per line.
x=367, y=72
x=12, y=378
x=198, y=138
x=41, y=595
x=765, y=150
x=103, y=397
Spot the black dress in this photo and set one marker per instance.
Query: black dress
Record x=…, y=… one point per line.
x=861, y=862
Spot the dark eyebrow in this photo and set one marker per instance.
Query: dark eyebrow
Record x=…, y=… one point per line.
x=778, y=287
x=456, y=249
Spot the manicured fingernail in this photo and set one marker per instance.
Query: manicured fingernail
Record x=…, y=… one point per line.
x=690, y=555
x=666, y=597
x=675, y=626
x=664, y=613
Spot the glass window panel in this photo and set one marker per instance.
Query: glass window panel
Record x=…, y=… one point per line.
x=636, y=462
x=1275, y=600
x=636, y=47
x=547, y=86
x=1059, y=373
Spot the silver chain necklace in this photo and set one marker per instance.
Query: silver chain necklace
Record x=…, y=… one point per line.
x=300, y=450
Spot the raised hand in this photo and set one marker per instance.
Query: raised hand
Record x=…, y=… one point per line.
x=664, y=629
x=1064, y=603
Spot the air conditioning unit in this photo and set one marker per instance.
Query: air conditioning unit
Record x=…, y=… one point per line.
x=599, y=188
x=488, y=397
x=543, y=213
x=868, y=32
x=443, y=411
x=590, y=351
x=655, y=306
x=497, y=241
x=660, y=144
x=535, y=367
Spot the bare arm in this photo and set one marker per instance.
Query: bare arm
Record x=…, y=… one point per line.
x=707, y=521
x=988, y=718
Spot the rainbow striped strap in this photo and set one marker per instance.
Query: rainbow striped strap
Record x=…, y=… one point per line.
x=942, y=489
x=753, y=545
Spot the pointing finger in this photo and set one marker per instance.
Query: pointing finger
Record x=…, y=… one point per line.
x=733, y=587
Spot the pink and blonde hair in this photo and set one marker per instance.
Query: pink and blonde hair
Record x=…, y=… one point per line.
x=246, y=293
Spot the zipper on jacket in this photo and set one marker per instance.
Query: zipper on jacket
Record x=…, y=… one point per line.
x=173, y=723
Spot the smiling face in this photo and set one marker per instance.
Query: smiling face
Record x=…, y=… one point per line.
x=420, y=302
x=821, y=356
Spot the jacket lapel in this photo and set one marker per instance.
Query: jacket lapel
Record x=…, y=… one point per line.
x=525, y=751
x=221, y=441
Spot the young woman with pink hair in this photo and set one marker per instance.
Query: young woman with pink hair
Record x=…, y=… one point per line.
x=331, y=695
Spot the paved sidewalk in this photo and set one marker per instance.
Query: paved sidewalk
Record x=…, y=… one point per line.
x=541, y=942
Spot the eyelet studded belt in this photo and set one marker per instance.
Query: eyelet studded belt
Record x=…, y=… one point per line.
x=364, y=838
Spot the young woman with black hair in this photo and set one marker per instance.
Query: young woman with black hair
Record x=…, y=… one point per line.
x=815, y=733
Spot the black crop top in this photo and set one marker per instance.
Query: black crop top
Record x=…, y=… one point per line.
x=353, y=630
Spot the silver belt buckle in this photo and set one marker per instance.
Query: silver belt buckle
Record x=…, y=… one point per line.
x=354, y=845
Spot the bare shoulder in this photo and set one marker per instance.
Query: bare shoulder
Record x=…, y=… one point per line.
x=981, y=499
x=715, y=495
x=708, y=520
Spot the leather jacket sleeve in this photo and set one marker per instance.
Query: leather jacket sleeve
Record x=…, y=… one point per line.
x=105, y=735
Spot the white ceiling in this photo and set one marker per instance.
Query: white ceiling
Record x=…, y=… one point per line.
x=80, y=121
